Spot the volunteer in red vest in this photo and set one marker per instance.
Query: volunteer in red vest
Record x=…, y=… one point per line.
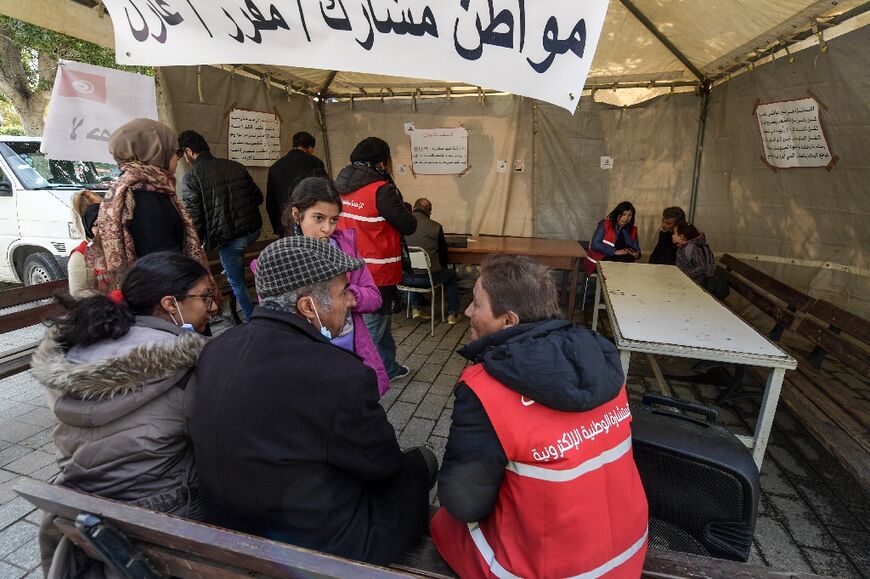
x=615, y=238
x=373, y=206
x=538, y=477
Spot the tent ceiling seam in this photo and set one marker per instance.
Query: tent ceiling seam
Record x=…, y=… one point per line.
x=629, y=5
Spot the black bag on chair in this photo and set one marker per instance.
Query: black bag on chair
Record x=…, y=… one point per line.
x=700, y=481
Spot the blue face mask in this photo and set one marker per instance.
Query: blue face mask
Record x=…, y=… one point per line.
x=183, y=325
x=324, y=331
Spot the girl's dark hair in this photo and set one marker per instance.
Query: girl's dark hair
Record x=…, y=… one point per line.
x=309, y=192
x=687, y=230
x=152, y=277
x=613, y=216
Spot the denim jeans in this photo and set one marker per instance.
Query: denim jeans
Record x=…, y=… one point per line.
x=445, y=276
x=232, y=254
x=382, y=335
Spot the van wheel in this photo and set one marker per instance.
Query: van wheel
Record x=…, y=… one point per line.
x=41, y=268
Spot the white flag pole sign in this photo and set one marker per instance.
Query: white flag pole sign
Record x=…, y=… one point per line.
x=87, y=104
x=538, y=49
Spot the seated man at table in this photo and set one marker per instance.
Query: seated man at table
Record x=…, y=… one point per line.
x=665, y=251
x=538, y=478
x=290, y=441
x=430, y=236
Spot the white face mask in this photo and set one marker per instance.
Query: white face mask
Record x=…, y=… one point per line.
x=324, y=331
x=184, y=326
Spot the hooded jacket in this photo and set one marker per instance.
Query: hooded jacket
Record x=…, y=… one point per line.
x=583, y=512
x=388, y=199
x=122, y=408
x=222, y=199
x=695, y=259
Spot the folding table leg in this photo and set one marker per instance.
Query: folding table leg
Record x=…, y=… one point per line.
x=767, y=413
x=625, y=358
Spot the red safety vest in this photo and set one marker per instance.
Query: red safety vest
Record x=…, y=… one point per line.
x=571, y=502
x=592, y=256
x=376, y=240
x=80, y=248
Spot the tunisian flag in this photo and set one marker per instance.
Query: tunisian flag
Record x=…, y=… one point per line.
x=83, y=85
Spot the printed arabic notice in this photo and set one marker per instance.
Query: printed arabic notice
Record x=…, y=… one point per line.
x=439, y=151
x=792, y=135
x=254, y=137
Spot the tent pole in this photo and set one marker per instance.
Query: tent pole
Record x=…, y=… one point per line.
x=704, y=89
x=321, y=118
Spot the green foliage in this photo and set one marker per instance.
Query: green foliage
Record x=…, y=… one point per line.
x=33, y=39
x=10, y=124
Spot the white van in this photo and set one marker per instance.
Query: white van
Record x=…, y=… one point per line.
x=37, y=227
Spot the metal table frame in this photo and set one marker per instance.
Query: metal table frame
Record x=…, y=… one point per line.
x=776, y=366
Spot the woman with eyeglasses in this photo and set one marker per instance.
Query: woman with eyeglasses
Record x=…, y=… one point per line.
x=116, y=368
x=141, y=214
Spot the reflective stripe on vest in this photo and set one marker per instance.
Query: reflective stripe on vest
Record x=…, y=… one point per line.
x=495, y=567
x=377, y=241
x=552, y=475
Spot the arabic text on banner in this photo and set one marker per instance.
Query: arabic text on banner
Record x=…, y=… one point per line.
x=439, y=151
x=537, y=49
x=87, y=104
x=792, y=134
x=254, y=137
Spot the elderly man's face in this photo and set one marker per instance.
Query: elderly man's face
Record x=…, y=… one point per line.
x=342, y=300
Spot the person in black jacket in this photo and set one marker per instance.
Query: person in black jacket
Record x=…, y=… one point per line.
x=291, y=443
x=286, y=173
x=224, y=203
x=665, y=251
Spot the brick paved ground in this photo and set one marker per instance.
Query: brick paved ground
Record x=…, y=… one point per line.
x=813, y=516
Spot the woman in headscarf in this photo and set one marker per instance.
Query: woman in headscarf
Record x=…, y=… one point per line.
x=141, y=214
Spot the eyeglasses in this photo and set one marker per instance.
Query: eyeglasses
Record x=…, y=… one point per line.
x=179, y=152
x=207, y=298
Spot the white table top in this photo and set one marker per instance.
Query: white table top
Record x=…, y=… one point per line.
x=658, y=309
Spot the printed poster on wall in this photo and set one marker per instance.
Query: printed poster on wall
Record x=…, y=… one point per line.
x=541, y=50
x=87, y=104
x=791, y=134
x=255, y=138
x=439, y=151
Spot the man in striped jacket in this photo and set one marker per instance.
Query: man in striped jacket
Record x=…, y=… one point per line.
x=538, y=477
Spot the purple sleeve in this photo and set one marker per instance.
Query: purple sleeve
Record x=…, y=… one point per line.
x=362, y=286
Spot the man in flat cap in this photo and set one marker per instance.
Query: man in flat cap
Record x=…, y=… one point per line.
x=373, y=206
x=291, y=443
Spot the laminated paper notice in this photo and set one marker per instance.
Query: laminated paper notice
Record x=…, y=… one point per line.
x=439, y=151
x=791, y=134
x=255, y=137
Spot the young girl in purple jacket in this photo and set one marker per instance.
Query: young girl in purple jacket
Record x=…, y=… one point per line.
x=313, y=211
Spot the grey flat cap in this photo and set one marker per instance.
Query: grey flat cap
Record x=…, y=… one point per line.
x=297, y=261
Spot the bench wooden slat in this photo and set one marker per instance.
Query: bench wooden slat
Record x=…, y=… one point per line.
x=24, y=295
x=845, y=398
x=29, y=317
x=772, y=309
x=836, y=346
x=222, y=546
x=782, y=291
x=846, y=321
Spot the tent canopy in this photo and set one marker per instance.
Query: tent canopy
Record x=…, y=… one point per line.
x=646, y=46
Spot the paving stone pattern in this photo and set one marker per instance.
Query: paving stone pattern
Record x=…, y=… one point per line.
x=813, y=516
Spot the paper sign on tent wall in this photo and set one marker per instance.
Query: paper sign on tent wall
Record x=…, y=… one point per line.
x=254, y=137
x=541, y=50
x=87, y=104
x=439, y=151
x=791, y=134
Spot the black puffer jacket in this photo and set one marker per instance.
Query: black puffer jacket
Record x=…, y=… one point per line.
x=222, y=199
x=554, y=363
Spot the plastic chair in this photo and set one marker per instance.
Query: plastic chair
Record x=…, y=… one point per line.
x=420, y=261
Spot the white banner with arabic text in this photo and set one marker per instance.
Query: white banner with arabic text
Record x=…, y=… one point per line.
x=87, y=104
x=537, y=49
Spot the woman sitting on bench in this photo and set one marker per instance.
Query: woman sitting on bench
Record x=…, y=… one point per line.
x=115, y=368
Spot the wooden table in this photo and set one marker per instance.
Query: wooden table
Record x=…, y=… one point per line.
x=657, y=309
x=565, y=254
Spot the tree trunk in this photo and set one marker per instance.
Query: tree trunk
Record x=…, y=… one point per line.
x=29, y=103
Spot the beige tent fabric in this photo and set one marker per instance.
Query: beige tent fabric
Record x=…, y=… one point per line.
x=482, y=200
x=653, y=150
x=809, y=215
x=222, y=91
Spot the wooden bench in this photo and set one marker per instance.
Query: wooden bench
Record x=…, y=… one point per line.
x=836, y=415
x=18, y=359
x=217, y=270
x=152, y=545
